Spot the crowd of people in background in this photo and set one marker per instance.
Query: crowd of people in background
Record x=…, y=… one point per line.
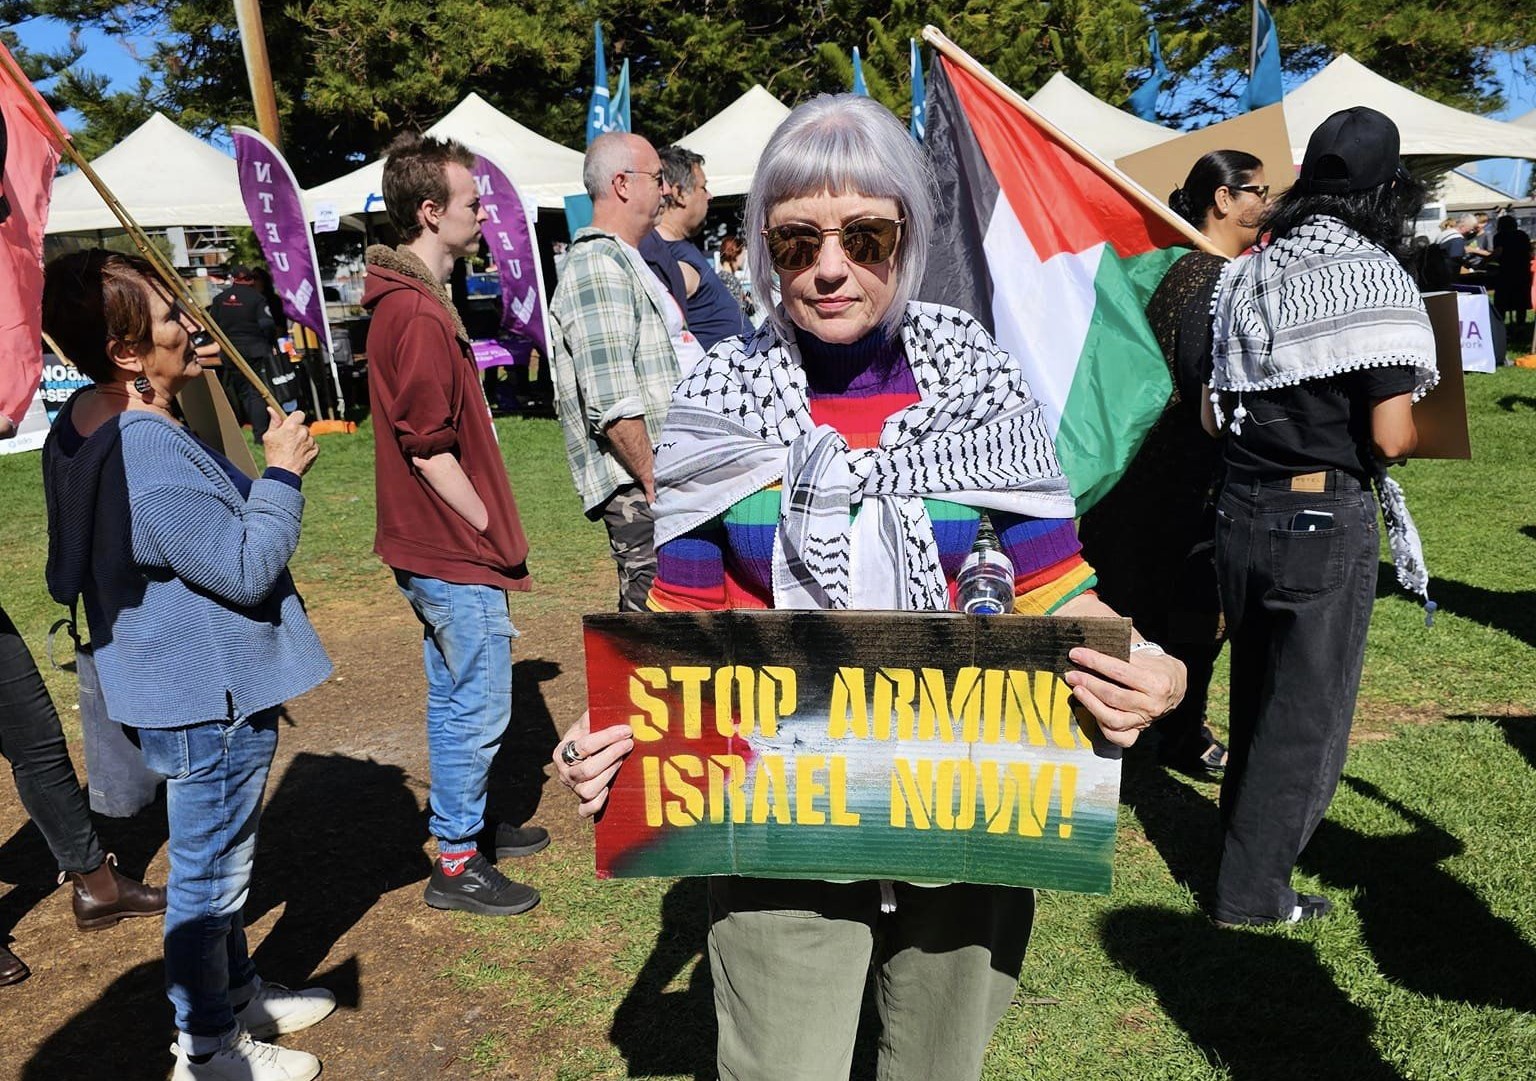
x=732, y=434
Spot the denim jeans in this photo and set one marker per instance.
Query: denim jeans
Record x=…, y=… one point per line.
x=32, y=741
x=215, y=774
x=1298, y=605
x=467, y=649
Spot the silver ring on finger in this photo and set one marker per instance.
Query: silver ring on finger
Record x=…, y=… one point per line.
x=569, y=754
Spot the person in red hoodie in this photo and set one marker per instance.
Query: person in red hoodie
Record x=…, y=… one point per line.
x=447, y=521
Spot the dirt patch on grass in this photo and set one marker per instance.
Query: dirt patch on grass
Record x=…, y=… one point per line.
x=336, y=901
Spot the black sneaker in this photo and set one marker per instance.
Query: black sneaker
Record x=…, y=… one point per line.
x=512, y=841
x=479, y=888
x=1309, y=906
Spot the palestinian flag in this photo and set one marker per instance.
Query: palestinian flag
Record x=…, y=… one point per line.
x=1058, y=263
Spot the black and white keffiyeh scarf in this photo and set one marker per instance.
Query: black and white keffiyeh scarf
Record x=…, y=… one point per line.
x=1318, y=303
x=742, y=421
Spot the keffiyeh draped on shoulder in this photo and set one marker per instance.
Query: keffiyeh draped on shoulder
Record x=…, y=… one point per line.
x=1317, y=303
x=742, y=421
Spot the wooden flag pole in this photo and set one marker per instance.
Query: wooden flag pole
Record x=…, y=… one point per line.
x=146, y=248
x=258, y=69
x=1128, y=187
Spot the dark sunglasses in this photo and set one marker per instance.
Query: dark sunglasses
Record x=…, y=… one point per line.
x=866, y=241
x=1261, y=190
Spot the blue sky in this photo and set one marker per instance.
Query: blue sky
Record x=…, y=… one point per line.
x=116, y=59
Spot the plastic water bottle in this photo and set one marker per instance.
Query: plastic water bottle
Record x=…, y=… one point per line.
x=985, y=584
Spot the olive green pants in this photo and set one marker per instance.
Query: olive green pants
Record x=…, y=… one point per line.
x=790, y=960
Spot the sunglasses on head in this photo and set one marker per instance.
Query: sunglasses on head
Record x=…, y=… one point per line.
x=866, y=241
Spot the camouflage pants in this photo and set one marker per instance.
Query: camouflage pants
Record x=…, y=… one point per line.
x=630, y=533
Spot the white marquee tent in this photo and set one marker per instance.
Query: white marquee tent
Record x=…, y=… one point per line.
x=733, y=140
x=164, y=175
x=1435, y=134
x=544, y=171
x=1109, y=132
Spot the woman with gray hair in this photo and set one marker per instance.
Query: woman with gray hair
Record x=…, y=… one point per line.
x=857, y=410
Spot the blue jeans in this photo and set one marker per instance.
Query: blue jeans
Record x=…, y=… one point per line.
x=215, y=774
x=467, y=648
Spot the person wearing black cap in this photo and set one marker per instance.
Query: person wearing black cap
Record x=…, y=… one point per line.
x=242, y=312
x=1320, y=346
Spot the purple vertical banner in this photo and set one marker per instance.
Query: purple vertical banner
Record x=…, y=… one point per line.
x=273, y=201
x=509, y=236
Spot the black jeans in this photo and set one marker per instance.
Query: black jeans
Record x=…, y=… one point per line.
x=1298, y=604
x=32, y=741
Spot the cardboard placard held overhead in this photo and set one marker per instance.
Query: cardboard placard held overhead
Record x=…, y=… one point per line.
x=1441, y=415
x=924, y=747
x=1162, y=168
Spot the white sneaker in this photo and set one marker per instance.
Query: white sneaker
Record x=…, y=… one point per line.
x=244, y=1059
x=276, y=1010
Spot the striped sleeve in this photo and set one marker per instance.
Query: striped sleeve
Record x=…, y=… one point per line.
x=690, y=572
x=1048, y=565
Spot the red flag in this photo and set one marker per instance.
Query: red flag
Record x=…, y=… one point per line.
x=28, y=159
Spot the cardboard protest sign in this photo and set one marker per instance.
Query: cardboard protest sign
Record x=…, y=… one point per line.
x=1262, y=133
x=1440, y=417
x=924, y=747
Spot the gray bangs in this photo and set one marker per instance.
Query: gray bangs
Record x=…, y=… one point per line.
x=843, y=144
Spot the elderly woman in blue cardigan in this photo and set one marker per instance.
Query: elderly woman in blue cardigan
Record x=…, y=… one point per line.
x=199, y=636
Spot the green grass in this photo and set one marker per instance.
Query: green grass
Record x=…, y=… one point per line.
x=1427, y=971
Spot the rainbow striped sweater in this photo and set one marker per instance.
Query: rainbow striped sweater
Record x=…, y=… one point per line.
x=727, y=562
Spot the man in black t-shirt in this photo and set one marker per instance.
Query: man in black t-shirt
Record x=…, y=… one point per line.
x=242, y=313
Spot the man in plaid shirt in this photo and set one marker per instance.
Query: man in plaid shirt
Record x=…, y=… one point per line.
x=613, y=363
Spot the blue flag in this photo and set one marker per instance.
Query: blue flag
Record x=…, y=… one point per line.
x=858, y=75
x=919, y=98
x=597, y=110
x=1264, y=79
x=618, y=112
x=1143, y=100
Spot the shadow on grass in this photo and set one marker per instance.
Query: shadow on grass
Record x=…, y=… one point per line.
x=1511, y=611
x=1183, y=825
x=671, y=1032
x=1519, y=733
x=336, y=835
x=1510, y=401
x=517, y=777
x=1258, y=1003
x=1428, y=931
x=123, y=1035
x=26, y=861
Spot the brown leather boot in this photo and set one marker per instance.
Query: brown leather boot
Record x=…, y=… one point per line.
x=12, y=968
x=102, y=897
